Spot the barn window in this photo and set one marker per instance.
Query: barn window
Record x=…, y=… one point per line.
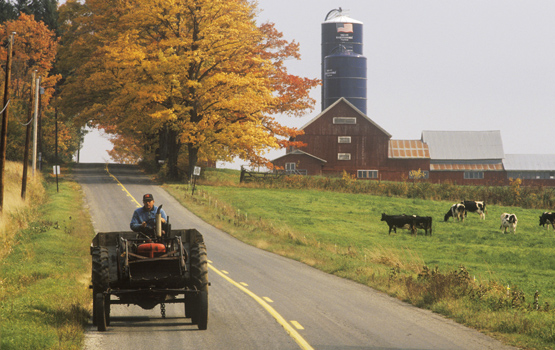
x=367, y=174
x=344, y=120
x=290, y=166
x=344, y=139
x=343, y=156
x=473, y=175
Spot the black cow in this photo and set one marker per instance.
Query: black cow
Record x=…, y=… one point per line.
x=457, y=211
x=423, y=223
x=478, y=207
x=547, y=218
x=400, y=221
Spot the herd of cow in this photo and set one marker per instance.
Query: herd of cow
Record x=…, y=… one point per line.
x=458, y=211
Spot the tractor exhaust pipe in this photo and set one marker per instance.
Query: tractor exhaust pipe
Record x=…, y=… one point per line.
x=159, y=222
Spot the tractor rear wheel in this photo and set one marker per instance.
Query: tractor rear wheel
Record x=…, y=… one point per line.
x=199, y=282
x=100, y=278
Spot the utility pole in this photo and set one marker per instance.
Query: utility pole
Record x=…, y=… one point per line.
x=28, y=138
x=4, y=132
x=56, y=166
x=35, y=125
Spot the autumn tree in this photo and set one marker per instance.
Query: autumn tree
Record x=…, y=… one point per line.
x=35, y=48
x=198, y=74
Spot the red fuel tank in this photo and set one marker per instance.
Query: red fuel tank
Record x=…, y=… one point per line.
x=149, y=249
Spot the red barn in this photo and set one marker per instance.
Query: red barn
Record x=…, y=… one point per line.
x=341, y=138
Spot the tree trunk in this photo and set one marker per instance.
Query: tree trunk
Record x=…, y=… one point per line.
x=174, y=145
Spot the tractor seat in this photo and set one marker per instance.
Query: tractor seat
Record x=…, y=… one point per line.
x=151, y=249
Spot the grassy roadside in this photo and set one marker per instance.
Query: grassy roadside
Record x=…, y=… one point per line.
x=44, y=295
x=341, y=233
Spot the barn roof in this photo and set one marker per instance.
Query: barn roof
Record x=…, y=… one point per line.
x=299, y=152
x=408, y=149
x=466, y=167
x=343, y=99
x=529, y=162
x=464, y=145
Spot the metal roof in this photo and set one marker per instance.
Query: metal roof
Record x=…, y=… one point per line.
x=461, y=145
x=466, y=167
x=529, y=162
x=408, y=149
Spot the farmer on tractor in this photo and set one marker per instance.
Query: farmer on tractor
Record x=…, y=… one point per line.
x=144, y=218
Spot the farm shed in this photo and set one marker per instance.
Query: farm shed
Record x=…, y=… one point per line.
x=532, y=169
x=291, y=163
x=466, y=157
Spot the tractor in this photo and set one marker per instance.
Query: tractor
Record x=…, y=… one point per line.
x=158, y=266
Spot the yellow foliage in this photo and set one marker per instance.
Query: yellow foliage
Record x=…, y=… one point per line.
x=201, y=68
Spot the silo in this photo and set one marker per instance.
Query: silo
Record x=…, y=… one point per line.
x=345, y=76
x=342, y=34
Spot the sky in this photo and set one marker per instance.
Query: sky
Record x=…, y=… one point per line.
x=445, y=65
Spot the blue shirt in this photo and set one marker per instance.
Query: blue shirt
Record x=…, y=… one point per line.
x=141, y=214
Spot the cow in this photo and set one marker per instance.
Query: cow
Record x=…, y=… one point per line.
x=400, y=221
x=508, y=220
x=547, y=218
x=478, y=207
x=457, y=211
x=423, y=223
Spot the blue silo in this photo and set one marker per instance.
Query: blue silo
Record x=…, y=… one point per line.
x=342, y=42
x=345, y=76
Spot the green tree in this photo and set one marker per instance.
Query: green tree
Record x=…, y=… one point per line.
x=42, y=10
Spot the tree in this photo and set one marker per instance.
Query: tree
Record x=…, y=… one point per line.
x=42, y=10
x=35, y=48
x=199, y=72
x=7, y=11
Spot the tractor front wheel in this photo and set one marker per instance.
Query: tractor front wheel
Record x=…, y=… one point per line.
x=199, y=276
x=100, y=311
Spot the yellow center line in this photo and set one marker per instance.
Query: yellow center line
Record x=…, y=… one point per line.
x=290, y=330
x=123, y=187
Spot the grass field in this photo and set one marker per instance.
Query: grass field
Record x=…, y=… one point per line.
x=341, y=233
x=45, y=273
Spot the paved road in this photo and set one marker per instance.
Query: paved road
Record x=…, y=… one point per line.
x=258, y=300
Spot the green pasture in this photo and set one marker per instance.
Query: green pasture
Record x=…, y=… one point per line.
x=469, y=271
x=525, y=259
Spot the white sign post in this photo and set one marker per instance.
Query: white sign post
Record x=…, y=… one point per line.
x=196, y=173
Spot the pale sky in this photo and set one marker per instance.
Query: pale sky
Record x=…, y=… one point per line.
x=441, y=64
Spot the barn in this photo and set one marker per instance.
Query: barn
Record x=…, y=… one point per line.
x=342, y=138
x=466, y=157
x=532, y=169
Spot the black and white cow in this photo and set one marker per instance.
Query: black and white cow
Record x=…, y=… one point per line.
x=478, y=207
x=508, y=221
x=547, y=218
x=400, y=221
x=457, y=211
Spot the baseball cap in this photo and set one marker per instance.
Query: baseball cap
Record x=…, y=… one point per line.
x=148, y=197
